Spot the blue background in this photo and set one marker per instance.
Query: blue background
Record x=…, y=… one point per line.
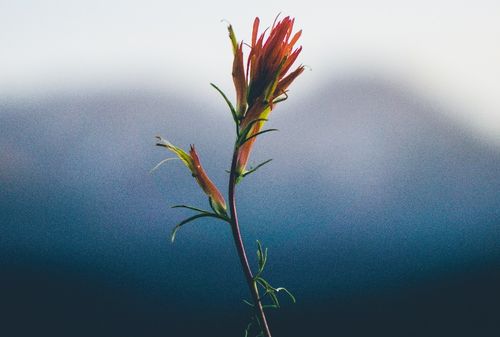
x=380, y=214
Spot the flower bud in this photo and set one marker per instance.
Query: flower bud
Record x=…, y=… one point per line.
x=192, y=162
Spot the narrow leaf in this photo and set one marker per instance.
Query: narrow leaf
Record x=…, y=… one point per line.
x=289, y=293
x=161, y=163
x=231, y=107
x=274, y=298
x=182, y=223
x=252, y=170
x=259, y=252
x=262, y=258
x=192, y=208
x=263, y=283
x=247, y=302
x=265, y=259
x=244, y=133
x=256, y=134
x=202, y=211
x=247, y=330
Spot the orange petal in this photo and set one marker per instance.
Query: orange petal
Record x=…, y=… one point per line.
x=255, y=30
x=239, y=81
x=287, y=80
x=206, y=184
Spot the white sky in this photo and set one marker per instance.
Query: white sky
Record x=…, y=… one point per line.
x=447, y=50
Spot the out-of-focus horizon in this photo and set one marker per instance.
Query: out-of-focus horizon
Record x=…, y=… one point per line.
x=446, y=50
x=380, y=209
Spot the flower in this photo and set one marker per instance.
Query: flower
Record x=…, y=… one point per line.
x=192, y=161
x=267, y=76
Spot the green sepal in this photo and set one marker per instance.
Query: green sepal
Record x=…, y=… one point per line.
x=221, y=212
x=232, y=36
x=183, y=156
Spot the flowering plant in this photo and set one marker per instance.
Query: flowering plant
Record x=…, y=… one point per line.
x=259, y=87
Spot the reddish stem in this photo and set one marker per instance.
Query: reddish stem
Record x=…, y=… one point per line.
x=241, y=248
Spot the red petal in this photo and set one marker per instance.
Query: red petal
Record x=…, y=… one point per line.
x=255, y=30
x=204, y=181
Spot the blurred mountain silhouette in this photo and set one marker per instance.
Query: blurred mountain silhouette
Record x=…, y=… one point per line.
x=380, y=212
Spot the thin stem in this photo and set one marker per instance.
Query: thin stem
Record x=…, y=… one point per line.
x=241, y=248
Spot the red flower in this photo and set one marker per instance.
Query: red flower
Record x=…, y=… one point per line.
x=267, y=76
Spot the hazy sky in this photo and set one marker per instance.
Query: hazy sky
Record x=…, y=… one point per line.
x=447, y=50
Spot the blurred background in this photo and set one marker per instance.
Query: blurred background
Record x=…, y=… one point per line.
x=381, y=208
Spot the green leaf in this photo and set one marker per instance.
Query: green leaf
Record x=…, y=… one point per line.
x=259, y=252
x=192, y=208
x=263, y=283
x=265, y=259
x=252, y=170
x=257, y=134
x=244, y=133
x=247, y=330
x=231, y=107
x=247, y=302
x=258, y=322
x=194, y=217
x=161, y=163
x=261, y=258
x=289, y=293
x=232, y=36
x=216, y=215
x=274, y=298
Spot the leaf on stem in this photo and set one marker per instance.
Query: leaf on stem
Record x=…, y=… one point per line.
x=160, y=164
x=247, y=330
x=274, y=298
x=252, y=170
x=202, y=211
x=192, y=208
x=289, y=293
x=257, y=134
x=262, y=259
x=244, y=133
x=248, y=303
x=194, y=217
x=231, y=107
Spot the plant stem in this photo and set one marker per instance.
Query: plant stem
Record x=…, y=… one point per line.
x=238, y=241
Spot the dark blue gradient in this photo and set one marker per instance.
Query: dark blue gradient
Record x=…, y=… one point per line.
x=380, y=214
